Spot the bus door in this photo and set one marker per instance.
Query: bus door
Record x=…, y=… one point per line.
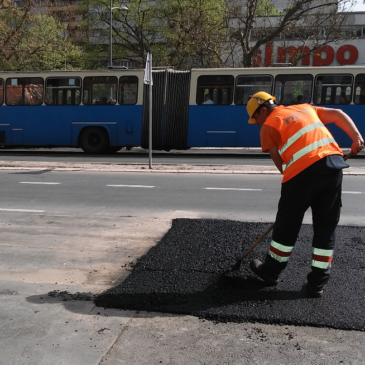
x=22, y=93
x=214, y=122
x=5, y=130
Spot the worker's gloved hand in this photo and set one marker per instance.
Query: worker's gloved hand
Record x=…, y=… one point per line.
x=357, y=145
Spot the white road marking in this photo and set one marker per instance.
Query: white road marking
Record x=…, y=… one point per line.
x=39, y=183
x=133, y=186
x=22, y=210
x=232, y=189
x=352, y=192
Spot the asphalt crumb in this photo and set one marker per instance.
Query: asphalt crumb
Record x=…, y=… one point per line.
x=66, y=296
x=183, y=274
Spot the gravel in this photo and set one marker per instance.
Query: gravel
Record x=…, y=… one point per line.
x=183, y=274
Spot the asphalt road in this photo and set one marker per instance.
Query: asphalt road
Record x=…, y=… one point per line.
x=240, y=197
x=83, y=232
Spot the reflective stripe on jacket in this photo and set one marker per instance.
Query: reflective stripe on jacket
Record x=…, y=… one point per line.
x=304, y=138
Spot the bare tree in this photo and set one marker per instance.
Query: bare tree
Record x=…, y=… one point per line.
x=216, y=33
x=312, y=23
x=32, y=40
x=13, y=23
x=71, y=16
x=134, y=32
x=180, y=33
x=195, y=32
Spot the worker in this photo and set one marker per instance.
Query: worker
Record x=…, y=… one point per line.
x=311, y=162
x=306, y=97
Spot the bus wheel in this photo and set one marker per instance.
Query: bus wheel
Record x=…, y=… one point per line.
x=94, y=140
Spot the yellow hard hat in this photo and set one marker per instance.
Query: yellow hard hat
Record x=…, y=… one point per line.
x=255, y=101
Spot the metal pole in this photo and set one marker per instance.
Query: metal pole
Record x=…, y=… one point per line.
x=150, y=110
x=110, y=35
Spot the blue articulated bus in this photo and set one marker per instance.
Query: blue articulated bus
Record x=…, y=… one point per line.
x=106, y=110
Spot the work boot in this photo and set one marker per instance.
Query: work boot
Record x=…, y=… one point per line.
x=314, y=292
x=316, y=281
x=259, y=269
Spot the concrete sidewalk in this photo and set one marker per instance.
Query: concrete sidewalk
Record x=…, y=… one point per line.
x=156, y=168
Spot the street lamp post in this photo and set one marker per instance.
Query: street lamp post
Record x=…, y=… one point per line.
x=121, y=7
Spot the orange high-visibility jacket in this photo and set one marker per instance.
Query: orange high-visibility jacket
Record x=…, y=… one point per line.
x=304, y=138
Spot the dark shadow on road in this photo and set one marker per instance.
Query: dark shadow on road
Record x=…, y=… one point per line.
x=31, y=172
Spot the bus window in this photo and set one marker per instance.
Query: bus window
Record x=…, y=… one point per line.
x=128, y=90
x=328, y=99
x=293, y=89
x=338, y=96
x=100, y=90
x=24, y=91
x=214, y=90
x=1, y=91
x=333, y=89
x=246, y=86
x=359, y=97
x=63, y=91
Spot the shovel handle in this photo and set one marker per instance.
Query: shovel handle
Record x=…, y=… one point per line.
x=347, y=156
x=257, y=242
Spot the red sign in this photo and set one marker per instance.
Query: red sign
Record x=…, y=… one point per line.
x=317, y=56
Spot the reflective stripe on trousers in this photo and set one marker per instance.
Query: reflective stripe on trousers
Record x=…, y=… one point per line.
x=280, y=252
x=322, y=258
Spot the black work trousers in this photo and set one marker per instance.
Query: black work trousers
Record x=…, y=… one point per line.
x=318, y=187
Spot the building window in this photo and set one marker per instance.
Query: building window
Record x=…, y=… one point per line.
x=98, y=32
x=360, y=31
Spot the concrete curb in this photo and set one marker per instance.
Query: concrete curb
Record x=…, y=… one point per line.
x=257, y=171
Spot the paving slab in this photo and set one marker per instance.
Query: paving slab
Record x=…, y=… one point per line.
x=38, y=329
x=159, y=338
x=78, y=253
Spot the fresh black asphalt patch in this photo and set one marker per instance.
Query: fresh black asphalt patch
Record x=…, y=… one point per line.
x=181, y=274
